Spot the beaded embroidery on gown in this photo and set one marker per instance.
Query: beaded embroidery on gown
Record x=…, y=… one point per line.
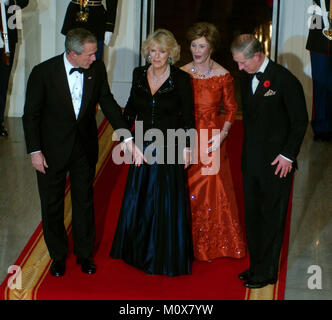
x=216, y=229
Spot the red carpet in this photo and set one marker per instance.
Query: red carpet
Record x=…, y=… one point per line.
x=116, y=280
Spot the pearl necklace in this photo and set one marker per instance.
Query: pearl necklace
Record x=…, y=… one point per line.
x=204, y=75
x=156, y=79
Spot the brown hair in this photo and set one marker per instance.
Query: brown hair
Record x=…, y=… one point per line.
x=207, y=30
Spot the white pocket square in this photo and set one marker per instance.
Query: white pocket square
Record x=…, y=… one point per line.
x=270, y=93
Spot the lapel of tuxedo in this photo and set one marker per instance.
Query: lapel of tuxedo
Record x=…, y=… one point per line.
x=248, y=94
x=266, y=76
x=245, y=79
x=61, y=82
x=89, y=78
x=261, y=89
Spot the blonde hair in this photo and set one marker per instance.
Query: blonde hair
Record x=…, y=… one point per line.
x=163, y=39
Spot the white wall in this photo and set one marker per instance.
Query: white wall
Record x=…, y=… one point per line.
x=41, y=39
x=293, y=33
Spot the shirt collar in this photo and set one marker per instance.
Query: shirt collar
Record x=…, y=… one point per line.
x=68, y=65
x=264, y=65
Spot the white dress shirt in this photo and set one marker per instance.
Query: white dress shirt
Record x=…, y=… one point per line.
x=255, y=81
x=75, y=82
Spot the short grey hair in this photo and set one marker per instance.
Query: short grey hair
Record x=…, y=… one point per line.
x=77, y=38
x=247, y=44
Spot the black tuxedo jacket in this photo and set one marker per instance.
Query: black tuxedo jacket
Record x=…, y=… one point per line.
x=49, y=119
x=99, y=21
x=275, y=118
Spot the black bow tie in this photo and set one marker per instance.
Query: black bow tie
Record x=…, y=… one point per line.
x=259, y=75
x=80, y=70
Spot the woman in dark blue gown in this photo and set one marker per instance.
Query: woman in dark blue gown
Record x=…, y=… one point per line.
x=153, y=231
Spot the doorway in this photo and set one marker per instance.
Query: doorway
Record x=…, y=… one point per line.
x=231, y=17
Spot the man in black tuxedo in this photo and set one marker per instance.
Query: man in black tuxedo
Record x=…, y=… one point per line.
x=5, y=69
x=275, y=120
x=93, y=16
x=61, y=136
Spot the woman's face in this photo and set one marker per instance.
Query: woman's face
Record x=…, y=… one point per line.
x=158, y=56
x=201, y=50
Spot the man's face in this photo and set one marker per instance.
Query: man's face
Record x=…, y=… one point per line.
x=87, y=57
x=248, y=65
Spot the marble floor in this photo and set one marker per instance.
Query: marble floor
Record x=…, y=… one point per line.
x=309, y=271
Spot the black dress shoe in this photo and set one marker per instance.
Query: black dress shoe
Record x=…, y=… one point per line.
x=258, y=284
x=244, y=275
x=58, y=268
x=87, y=265
x=3, y=131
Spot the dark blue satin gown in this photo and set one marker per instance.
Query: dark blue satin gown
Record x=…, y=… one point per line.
x=153, y=232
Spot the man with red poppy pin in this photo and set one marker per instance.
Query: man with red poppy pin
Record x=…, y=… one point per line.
x=275, y=120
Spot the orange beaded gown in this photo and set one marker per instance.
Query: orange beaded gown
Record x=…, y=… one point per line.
x=216, y=228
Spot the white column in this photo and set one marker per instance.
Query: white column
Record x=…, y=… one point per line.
x=123, y=54
x=61, y=8
x=36, y=43
x=293, y=33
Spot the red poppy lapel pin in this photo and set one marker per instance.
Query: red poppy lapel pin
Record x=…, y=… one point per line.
x=267, y=83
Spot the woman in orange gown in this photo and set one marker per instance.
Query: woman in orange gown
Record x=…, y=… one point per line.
x=216, y=229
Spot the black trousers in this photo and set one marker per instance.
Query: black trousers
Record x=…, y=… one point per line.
x=4, y=79
x=266, y=199
x=52, y=194
x=321, y=66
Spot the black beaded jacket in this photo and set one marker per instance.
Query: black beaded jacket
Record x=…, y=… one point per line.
x=171, y=107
